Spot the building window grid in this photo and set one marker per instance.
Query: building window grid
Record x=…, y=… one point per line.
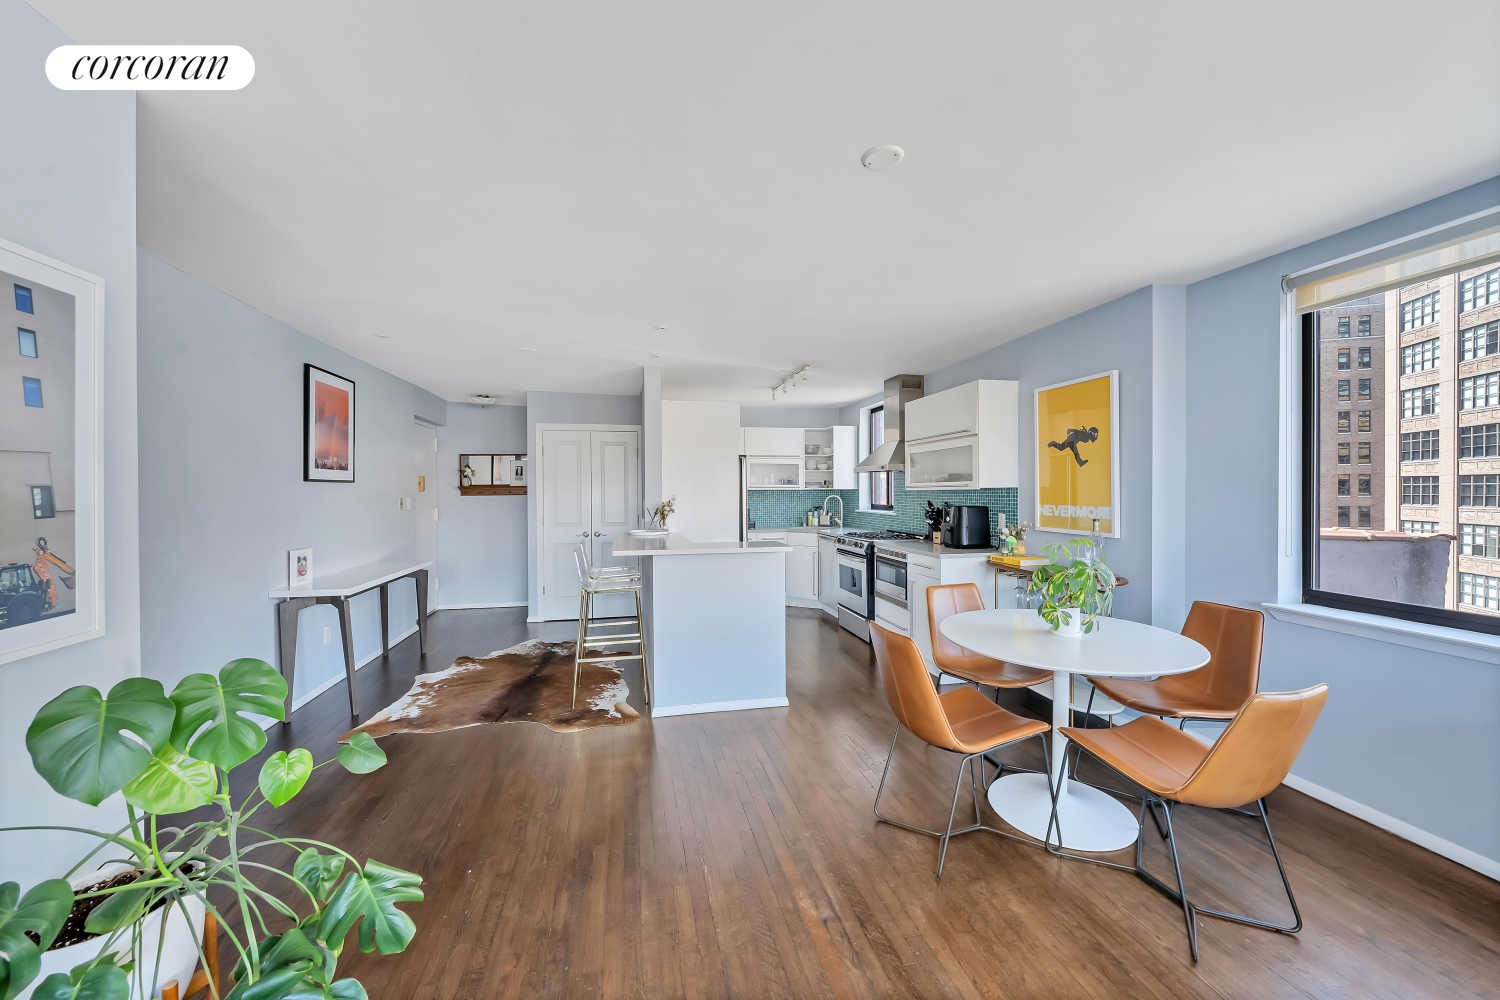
x=1420, y=312
x=1420, y=446
x=1343, y=452
x=1415, y=357
x=1364, y=421
x=1479, y=391
x=1343, y=326
x=1343, y=421
x=1363, y=514
x=1343, y=361
x=1478, y=491
x=1364, y=485
x=1479, y=540
x=1343, y=388
x=1343, y=517
x=1479, y=341
x=1479, y=591
x=1478, y=441
x=1420, y=491
x=1419, y=402
x=1364, y=357
x=1479, y=291
x=1362, y=454
x=1343, y=484
x=1364, y=388
x=1419, y=527
x=1364, y=326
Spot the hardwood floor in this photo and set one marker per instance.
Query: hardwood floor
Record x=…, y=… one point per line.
x=735, y=855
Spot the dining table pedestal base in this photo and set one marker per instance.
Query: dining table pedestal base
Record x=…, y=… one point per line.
x=1091, y=820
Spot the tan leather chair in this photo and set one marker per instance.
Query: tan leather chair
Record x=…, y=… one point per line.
x=1250, y=759
x=962, y=721
x=1216, y=690
x=955, y=598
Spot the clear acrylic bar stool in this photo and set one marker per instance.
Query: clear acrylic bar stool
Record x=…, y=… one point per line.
x=607, y=580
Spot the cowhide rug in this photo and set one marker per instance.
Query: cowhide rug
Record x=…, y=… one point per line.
x=532, y=682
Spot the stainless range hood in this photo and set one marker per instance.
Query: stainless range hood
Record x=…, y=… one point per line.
x=890, y=455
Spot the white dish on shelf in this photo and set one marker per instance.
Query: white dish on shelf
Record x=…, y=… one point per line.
x=649, y=532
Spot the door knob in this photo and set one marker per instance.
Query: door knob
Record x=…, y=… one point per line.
x=598, y=534
x=583, y=534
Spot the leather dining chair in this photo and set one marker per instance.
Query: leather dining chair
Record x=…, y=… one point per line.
x=951, y=599
x=963, y=722
x=1250, y=759
x=1215, y=691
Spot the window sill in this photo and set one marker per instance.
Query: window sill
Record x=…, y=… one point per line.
x=884, y=513
x=1433, y=638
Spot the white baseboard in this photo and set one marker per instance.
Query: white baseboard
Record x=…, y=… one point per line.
x=339, y=678
x=471, y=607
x=534, y=621
x=658, y=712
x=1401, y=828
x=803, y=602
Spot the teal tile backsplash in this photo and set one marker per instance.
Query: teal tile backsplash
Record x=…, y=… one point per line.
x=786, y=508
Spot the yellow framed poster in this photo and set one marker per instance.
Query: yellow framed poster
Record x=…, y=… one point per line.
x=1078, y=455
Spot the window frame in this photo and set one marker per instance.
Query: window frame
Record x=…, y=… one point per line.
x=21, y=334
x=888, y=478
x=1311, y=595
x=30, y=309
x=27, y=382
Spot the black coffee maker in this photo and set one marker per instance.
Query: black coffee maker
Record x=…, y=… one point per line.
x=966, y=527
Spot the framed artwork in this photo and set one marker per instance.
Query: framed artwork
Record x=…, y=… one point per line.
x=1078, y=455
x=328, y=427
x=299, y=567
x=51, y=475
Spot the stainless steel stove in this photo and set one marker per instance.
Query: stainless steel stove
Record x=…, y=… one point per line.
x=856, y=566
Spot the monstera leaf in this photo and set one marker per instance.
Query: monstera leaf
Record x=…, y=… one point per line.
x=291, y=966
x=318, y=873
x=373, y=895
x=283, y=775
x=86, y=982
x=361, y=756
x=42, y=912
x=77, y=740
x=172, y=783
x=120, y=908
x=230, y=739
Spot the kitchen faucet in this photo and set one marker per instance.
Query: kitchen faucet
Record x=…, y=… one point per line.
x=834, y=496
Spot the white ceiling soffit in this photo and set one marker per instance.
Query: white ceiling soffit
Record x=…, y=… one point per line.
x=473, y=178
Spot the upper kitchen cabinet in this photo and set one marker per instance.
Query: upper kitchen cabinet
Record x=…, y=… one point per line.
x=964, y=438
x=774, y=442
x=828, y=458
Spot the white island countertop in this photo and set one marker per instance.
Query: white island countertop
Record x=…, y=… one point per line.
x=676, y=544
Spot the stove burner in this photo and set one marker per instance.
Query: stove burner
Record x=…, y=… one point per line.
x=885, y=536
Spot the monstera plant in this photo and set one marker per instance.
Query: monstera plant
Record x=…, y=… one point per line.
x=172, y=755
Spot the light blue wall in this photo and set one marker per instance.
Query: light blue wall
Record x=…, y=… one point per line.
x=67, y=191
x=223, y=498
x=1409, y=733
x=481, y=540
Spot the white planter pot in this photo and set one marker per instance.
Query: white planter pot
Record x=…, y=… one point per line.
x=1070, y=623
x=179, y=950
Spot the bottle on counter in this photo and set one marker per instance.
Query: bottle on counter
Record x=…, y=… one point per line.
x=1096, y=538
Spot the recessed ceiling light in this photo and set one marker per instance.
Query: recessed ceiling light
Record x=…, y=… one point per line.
x=383, y=336
x=660, y=326
x=527, y=350
x=882, y=157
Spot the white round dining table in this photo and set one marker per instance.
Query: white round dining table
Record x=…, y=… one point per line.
x=1091, y=820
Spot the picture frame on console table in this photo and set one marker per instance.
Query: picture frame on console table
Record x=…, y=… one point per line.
x=51, y=463
x=328, y=425
x=1078, y=455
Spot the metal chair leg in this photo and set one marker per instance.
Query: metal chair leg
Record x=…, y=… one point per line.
x=952, y=811
x=1187, y=906
x=583, y=631
x=640, y=626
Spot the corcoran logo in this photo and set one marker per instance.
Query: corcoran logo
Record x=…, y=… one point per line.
x=150, y=67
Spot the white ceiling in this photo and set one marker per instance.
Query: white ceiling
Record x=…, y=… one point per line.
x=472, y=178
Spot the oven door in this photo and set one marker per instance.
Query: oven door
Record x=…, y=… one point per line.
x=853, y=582
x=890, y=578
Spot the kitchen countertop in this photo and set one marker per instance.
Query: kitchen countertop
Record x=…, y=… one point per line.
x=676, y=544
x=914, y=547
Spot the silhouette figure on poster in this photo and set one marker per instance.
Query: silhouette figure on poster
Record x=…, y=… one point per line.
x=1076, y=436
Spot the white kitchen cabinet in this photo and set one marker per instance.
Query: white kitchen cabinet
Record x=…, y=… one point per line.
x=836, y=449
x=828, y=573
x=929, y=571
x=964, y=438
x=774, y=442
x=773, y=473
x=802, y=571
x=917, y=582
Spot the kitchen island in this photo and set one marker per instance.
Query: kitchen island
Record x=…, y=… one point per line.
x=715, y=622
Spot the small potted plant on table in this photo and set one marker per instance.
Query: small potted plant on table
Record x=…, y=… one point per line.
x=1076, y=588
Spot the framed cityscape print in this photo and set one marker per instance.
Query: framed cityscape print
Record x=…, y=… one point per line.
x=51, y=480
x=1078, y=455
x=328, y=427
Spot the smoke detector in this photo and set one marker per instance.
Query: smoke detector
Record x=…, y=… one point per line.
x=882, y=157
x=482, y=399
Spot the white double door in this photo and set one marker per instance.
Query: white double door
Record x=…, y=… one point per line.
x=591, y=491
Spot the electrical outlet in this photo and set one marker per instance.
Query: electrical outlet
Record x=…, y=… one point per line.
x=327, y=634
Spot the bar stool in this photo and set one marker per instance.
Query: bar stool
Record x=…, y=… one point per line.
x=607, y=580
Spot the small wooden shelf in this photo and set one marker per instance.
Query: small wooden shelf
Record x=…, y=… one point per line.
x=492, y=491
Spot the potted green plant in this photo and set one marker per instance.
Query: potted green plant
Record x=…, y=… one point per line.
x=142, y=915
x=1076, y=588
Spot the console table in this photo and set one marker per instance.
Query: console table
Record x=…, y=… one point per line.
x=338, y=589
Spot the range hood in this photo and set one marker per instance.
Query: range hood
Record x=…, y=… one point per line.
x=890, y=455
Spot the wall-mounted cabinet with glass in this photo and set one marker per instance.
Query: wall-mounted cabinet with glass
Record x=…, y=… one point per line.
x=491, y=475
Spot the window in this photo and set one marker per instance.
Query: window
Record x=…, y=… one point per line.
x=1364, y=357
x=1343, y=517
x=1344, y=484
x=1364, y=326
x=1343, y=388
x=1420, y=446
x=31, y=389
x=23, y=299
x=1420, y=312
x=1364, y=421
x=1478, y=441
x=1419, y=527
x=1364, y=453
x=1479, y=591
x=1364, y=388
x=1364, y=517
x=1343, y=452
x=1364, y=488
x=1343, y=421
x=1480, y=290
x=1422, y=491
x=880, y=482
x=1344, y=326
x=1419, y=402
x=1343, y=361
x=1479, y=540
x=28, y=343
x=41, y=502
x=1479, y=391
x=1479, y=341
x=1417, y=357
x=1478, y=491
